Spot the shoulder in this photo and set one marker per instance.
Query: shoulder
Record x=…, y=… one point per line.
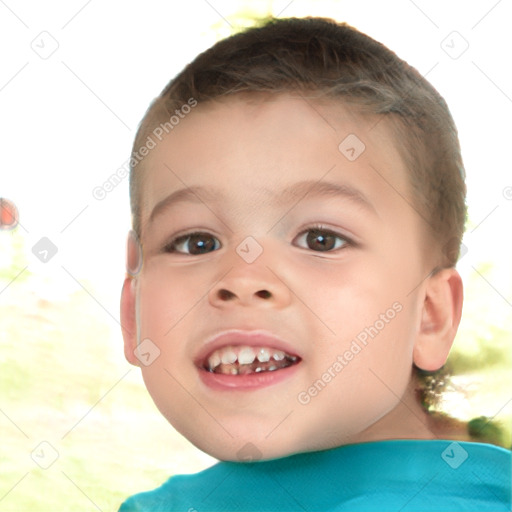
x=444, y=475
x=179, y=492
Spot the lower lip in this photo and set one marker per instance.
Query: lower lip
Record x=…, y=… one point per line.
x=248, y=382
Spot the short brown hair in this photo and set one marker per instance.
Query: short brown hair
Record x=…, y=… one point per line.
x=335, y=61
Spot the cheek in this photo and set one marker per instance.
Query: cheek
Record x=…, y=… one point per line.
x=371, y=371
x=383, y=367
x=165, y=297
x=374, y=328
x=164, y=302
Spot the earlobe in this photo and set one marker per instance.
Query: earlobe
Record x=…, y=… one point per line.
x=129, y=320
x=441, y=313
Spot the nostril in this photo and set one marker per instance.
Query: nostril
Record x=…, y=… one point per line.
x=264, y=294
x=225, y=294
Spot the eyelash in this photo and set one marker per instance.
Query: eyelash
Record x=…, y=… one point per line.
x=170, y=247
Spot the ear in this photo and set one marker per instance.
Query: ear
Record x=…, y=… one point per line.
x=129, y=320
x=129, y=298
x=441, y=313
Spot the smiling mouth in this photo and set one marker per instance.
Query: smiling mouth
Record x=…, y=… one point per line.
x=244, y=360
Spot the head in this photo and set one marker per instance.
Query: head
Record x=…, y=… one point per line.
x=297, y=193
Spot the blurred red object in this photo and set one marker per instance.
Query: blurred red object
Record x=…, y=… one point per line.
x=8, y=214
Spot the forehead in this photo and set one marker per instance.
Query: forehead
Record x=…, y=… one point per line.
x=249, y=148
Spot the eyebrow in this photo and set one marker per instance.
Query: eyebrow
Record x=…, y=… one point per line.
x=294, y=193
x=193, y=194
x=302, y=189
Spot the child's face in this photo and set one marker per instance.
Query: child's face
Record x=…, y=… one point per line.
x=260, y=177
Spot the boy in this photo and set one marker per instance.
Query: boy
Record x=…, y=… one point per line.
x=298, y=203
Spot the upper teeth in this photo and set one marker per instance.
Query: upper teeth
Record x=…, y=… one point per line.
x=228, y=357
x=245, y=355
x=263, y=355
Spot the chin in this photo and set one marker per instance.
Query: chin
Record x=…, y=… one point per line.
x=246, y=447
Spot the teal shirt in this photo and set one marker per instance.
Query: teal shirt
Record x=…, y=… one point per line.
x=398, y=476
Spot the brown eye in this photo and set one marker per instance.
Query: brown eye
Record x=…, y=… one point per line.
x=320, y=240
x=194, y=244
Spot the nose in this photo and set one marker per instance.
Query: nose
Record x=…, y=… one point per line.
x=250, y=285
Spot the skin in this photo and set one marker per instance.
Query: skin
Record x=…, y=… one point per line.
x=247, y=150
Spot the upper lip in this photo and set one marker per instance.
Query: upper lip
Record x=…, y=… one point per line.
x=241, y=337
